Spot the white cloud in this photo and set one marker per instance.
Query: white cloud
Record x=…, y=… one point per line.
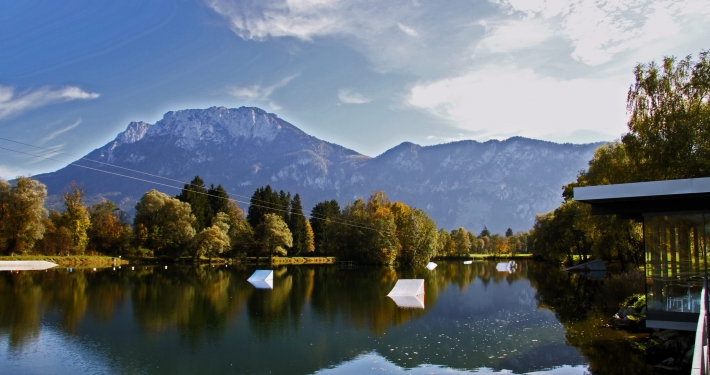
x=348, y=97
x=408, y=30
x=515, y=35
x=600, y=30
x=497, y=102
x=12, y=104
x=259, y=92
x=60, y=131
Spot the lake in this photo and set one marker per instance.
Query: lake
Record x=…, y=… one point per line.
x=149, y=319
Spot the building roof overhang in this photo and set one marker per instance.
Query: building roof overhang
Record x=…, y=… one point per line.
x=633, y=200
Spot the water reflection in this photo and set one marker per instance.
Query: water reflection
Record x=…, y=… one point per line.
x=321, y=318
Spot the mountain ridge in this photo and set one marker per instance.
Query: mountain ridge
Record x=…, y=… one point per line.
x=496, y=183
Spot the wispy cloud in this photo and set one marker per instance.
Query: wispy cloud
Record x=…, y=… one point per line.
x=13, y=104
x=259, y=92
x=348, y=97
x=597, y=31
x=60, y=131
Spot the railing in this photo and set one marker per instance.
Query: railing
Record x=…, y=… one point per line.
x=700, y=354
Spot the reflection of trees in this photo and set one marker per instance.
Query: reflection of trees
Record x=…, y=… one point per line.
x=194, y=299
x=575, y=302
x=21, y=299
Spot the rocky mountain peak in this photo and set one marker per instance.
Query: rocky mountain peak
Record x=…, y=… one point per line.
x=216, y=125
x=133, y=133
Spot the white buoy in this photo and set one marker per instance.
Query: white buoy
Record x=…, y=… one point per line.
x=467, y=261
x=166, y=267
x=133, y=268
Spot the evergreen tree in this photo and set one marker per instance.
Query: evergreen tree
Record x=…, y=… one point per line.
x=263, y=201
x=195, y=194
x=322, y=220
x=485, y=232
x=297, y=226
x=218, y=199
x=509, y=233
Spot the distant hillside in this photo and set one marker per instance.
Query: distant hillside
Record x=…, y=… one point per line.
x=499, y=184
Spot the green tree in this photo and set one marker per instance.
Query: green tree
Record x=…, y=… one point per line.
x=218, y=199
x=323, y=216
x=213, y=240
x=416, y=233
x=275, y=236
x=241, y=233
x=163, y=224
x=195, y=194
x=297, y=225
x=509, y=233
x=23, y=206
x=485, y=232
x=669, y=123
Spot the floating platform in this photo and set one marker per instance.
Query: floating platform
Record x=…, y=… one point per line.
x=431, y=265
x=408, y=293
x=262, y=279
x=595, y=269
x=467, y=261
x=509, y=267
x=25, y=265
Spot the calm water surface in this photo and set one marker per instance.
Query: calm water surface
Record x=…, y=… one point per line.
x=317, y=319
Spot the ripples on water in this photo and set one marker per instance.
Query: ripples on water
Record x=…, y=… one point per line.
x=317, y=319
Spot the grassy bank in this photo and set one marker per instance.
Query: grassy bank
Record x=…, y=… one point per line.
x=489, y=257
x=72, y=260
x=303, y=260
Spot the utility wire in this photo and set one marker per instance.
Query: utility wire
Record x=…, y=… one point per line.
x=177, y=187
x=145, y=173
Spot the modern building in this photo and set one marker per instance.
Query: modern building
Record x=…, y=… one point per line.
x=676, y=225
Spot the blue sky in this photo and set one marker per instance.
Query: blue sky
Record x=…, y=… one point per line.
x=364, y=74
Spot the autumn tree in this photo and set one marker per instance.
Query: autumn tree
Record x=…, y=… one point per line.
x=109, y=232
x=76, y=218
x=462, y=242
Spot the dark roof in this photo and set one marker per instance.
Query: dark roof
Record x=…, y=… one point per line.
x=633, y=200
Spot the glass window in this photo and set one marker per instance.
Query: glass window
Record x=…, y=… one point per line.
x=675, y=261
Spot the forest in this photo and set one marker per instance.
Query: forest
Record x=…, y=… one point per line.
x=203, y=222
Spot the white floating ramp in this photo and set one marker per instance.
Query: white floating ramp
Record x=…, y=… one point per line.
x=467, y=261
x=431, y=265
x=25, y=265
x=408, y=293
x=262, y=279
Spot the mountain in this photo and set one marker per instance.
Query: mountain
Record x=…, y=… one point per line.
x=499, y=184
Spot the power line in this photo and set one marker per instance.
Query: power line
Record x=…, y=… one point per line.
x=170, y=186
x=140, y=172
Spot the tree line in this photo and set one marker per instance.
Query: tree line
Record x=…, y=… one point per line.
x=203, y=222
x=668, y=138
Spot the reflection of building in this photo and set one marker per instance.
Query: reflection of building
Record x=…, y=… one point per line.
x=676, y=224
